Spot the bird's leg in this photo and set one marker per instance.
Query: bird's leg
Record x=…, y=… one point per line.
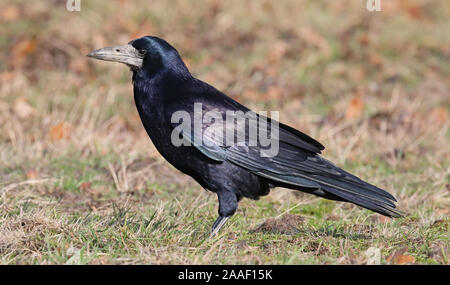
x=218, y=224
x=228, y=204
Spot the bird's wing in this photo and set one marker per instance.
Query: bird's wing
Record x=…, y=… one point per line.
x=297, y=162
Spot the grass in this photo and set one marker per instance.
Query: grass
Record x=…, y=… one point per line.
x=80, y=182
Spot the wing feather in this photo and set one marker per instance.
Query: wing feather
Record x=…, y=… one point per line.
x=297, y=164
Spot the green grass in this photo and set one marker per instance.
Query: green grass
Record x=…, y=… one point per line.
x=160, y=230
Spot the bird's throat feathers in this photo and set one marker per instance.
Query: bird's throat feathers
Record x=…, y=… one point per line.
x=168, y=73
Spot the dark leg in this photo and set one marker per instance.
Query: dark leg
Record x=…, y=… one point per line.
x=218, y=224
x=227, y=206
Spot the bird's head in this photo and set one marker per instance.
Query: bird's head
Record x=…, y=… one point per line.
x=149, y=54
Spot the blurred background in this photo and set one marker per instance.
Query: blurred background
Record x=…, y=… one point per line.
x=373, y=87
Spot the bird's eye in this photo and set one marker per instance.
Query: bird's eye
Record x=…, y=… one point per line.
x=142, y=52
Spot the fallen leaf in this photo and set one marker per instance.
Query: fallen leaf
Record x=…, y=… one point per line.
x=23, y=49
x=355, y=109
x=31, y=174
x=364, y=39
x=399, y=257
x=59, y=132
x=414, y=11
x=405, y=259
x=86, y=186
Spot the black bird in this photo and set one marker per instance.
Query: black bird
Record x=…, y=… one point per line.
x=163, y=85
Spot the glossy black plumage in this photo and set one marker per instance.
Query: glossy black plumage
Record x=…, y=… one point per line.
x=164, y=85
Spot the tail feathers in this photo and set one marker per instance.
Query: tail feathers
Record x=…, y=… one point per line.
x=339, y=188
x=362, y=189
x=382, y=206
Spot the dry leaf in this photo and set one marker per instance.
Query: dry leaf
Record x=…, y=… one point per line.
x=399, y=257
x=59, y=132
x=31, y=174
x=22, y=108
x=364, y=39
x=86, y=186
x=355, y=109
x=413, y=11
x=405, y=259
x=23, y=49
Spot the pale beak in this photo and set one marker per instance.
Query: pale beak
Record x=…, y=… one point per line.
x=126, y=54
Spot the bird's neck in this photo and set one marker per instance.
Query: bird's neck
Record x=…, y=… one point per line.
x=153, y=84
x=151, y=93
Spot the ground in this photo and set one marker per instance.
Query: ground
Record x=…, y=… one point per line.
x=81, y=183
